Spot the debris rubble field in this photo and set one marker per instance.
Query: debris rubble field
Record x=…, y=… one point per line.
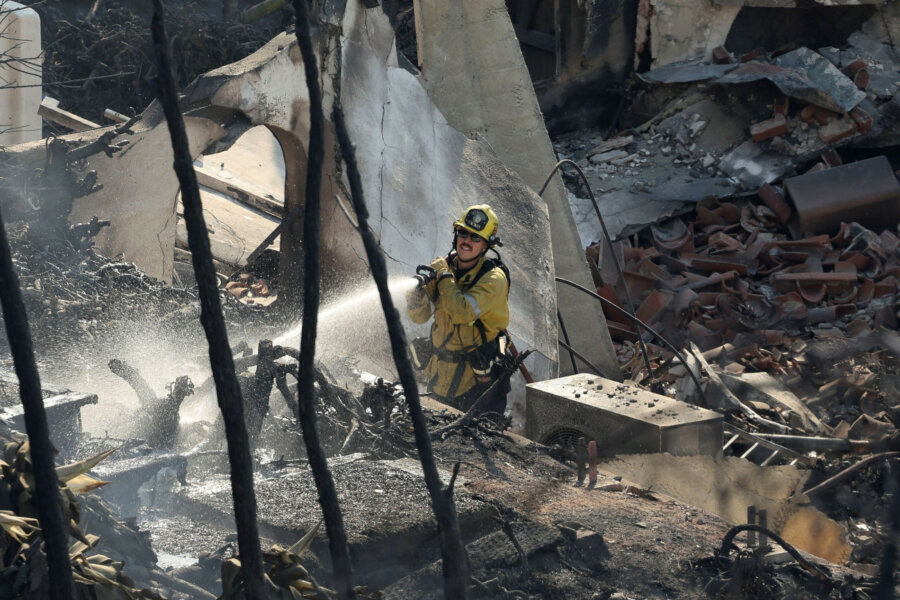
x=211, y=216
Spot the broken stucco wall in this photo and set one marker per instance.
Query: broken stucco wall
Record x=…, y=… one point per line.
x=474, y=72
x=578, y=53
x=418, y=172
x=140, y=192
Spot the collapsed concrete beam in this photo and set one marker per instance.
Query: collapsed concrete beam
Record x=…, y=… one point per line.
x=474, y=72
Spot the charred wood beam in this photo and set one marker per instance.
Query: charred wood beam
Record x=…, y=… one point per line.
x=334, y=521
x=228, y=391
x=53, y=527
x=455, y=562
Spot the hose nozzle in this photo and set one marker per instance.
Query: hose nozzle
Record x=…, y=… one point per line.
x=424, y=275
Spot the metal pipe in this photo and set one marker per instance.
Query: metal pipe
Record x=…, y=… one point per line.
x=612, y=250
x=819, y=444
x=652, y=331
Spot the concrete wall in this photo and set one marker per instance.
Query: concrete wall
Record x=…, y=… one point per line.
x=474, y=72
x=139, y=193
x=418, y=173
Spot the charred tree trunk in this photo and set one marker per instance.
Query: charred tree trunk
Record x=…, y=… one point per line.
x=228, y=391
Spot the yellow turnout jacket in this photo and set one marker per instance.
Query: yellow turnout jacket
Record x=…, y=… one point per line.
x=456, y=304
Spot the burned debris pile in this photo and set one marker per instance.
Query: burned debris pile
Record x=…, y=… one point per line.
x=754, y=207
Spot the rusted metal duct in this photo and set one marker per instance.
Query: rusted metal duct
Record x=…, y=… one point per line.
x=865, y=192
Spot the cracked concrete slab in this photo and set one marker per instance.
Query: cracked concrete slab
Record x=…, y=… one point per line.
x=473, y=69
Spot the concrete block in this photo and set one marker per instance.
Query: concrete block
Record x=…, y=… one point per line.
x=622, y=418
x=769, y=128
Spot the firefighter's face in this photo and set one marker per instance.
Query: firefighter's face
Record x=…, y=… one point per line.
x=469, y=246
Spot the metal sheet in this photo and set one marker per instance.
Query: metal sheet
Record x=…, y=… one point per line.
x=685, y=72
x=805, y=75
x=865, y=192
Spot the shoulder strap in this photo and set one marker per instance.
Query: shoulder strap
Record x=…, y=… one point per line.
x=490, y=264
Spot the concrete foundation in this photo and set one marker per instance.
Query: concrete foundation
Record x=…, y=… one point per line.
x=623, y=419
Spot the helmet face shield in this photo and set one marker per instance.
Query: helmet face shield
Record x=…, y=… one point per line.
x=476, y=219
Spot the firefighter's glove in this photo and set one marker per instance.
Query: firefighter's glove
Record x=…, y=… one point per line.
x=441, y=268
x=443, y=275
x=416, y=297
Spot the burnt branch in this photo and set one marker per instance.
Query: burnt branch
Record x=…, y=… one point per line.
x=46, y=483
x=334, y=522
x=228, y=391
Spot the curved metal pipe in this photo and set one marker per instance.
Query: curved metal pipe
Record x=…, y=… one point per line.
x=611, y=250
x=640, y=323
x=574, y=352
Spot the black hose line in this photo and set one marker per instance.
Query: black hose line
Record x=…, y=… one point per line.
x=728, y=544
x=562, y=327
x=581, y=357
x=640, y=323
x=609, y=243
x=334, y=521
x=46, y=494
x=455, y=562
x=228, y=391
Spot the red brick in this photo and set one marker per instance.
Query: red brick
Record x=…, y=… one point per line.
x=753, y=54
x=862, y=79
x=808, y=114
x=769, y=128
x=780, y=105
x=823, y=116
x=853, y=68
x=832, y=158
x=720, y=56
x=862, y=119
x=837, y=130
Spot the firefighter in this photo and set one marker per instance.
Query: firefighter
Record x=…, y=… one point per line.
x=467, y=293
